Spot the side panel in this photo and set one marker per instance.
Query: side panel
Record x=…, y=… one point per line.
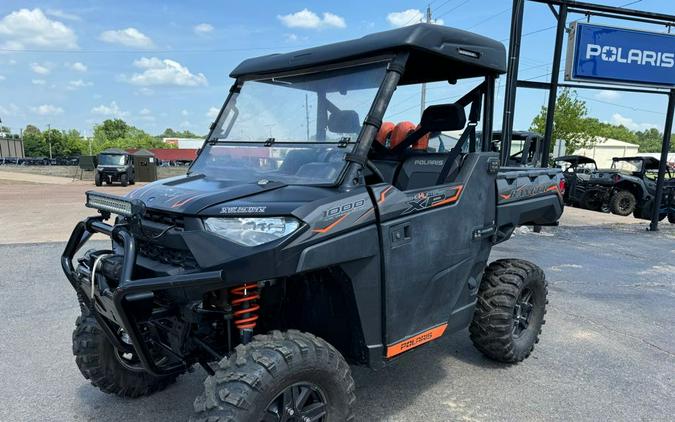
x=433, y=258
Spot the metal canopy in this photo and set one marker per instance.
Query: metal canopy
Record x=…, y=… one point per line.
x=560, y=14
x=437, y=53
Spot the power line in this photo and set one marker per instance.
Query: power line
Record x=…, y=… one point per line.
x=623, y=106
x=508, y=9
x=453, y=9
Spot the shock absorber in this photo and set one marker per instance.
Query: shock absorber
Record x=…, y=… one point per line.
x=245, y=304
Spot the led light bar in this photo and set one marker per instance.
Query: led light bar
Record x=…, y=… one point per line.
x=111, y=203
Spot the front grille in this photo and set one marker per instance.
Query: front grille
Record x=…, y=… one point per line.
x=168, y=219
x=175, y=257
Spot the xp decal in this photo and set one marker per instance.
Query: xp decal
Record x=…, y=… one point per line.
x=421, y=201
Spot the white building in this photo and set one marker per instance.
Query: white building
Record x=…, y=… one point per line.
x=184, y=143
x=606, y=149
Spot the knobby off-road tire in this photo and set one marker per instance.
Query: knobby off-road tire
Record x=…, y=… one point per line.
x=250, y=385
x=97, y=360
x=671, y=218
x=97, y=179
x=124, y=180
x=622, y=203
x=510, y=310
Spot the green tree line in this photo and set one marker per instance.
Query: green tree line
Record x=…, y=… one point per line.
x=573, y=125
x=111, y=133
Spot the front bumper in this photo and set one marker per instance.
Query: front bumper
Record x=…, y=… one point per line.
x=126, y=304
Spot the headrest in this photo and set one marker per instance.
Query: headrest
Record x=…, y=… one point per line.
x=442, y=117
x=400, y=132
x=344, y=121
x=384, y=134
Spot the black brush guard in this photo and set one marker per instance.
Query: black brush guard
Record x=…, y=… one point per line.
x=120, y=302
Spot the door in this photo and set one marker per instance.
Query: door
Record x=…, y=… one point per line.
x=435, y=245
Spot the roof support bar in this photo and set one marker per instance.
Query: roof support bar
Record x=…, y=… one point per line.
x=665, y=147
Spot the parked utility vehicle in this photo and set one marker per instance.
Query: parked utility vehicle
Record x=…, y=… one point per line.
x=297, y=242
x=114, y=165
x=629, y=187
x=577, y=170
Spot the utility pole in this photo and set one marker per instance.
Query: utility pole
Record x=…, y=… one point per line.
x=307, y=115
x=49, y=140
x=423, y=98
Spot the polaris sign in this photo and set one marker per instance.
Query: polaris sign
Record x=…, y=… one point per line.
x=614, y=55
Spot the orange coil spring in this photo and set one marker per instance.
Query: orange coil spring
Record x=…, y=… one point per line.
x=245, y=306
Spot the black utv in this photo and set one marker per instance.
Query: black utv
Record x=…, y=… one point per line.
x=297, y=243
x=629, y=187
x=577, y=170
x=114, y=166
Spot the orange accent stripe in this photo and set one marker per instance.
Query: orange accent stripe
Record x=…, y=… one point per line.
x=552, y=188
x=331, y=226
x=505, y=196
x=418, y=340
x=453, y=198
x=183, y=202
x=383, y=195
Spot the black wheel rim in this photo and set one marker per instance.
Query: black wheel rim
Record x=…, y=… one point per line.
x=522, y=312
x=301, y=402
x=624, y=204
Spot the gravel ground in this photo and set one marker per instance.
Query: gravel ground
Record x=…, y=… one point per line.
x=607, y=351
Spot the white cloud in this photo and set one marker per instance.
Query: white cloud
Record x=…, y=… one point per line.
x=12, y=62
x=47, y=110
x=130, y=37
x=40, y=69
x=203, y=28
x=38, y=81
x=79, y=83
x=77, y=66
x=145, y=112
x=213, y=112
x=185, y=124
x=631, y=124
x=58, y=13
x=112, y=110
x=2, y=78
x=408, y=17
x=26, y=28
x=184, y=113
x=145, y=91
x=164, y=72
x=310, y=20
x=608, y=95
x=11, y=110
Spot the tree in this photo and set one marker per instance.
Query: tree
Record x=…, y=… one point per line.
x=118, y=134
x=570, y=122
x=34, y=144
x=170, y=133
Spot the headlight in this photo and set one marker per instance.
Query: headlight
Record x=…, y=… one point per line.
x=252, y=231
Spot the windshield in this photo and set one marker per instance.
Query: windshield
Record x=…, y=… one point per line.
x=631, y=166
x=292, y=129
x=111, y=160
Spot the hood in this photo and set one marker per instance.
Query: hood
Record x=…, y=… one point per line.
x=198, y=194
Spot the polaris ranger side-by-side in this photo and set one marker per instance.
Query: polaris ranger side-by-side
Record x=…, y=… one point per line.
x=302, y=239
x=114, y=165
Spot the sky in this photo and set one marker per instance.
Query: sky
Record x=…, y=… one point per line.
x=159, y=64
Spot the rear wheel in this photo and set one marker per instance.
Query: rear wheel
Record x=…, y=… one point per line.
x=622, y=203
x=283, y=376
x=97, y=179
x=592, y=200
x=510, y=310
x=107, y=368
x=671, y=218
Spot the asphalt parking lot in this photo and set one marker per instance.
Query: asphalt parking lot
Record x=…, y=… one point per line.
x=607, y=351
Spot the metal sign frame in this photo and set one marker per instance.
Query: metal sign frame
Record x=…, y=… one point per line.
x=586, y=9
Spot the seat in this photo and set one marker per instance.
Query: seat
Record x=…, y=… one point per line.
x=401, y=132
x=420, y=170
x=384, y=134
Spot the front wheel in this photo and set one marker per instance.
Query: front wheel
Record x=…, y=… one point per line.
x=124, y=180
x=510, y=310
x=283, y=376
x=97, y=179
x=107, y=368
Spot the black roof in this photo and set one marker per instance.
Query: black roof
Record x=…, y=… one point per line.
x=436, y=53
x=114, y=151
x=650, y=162
x=575, y=159
x=518, y=135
